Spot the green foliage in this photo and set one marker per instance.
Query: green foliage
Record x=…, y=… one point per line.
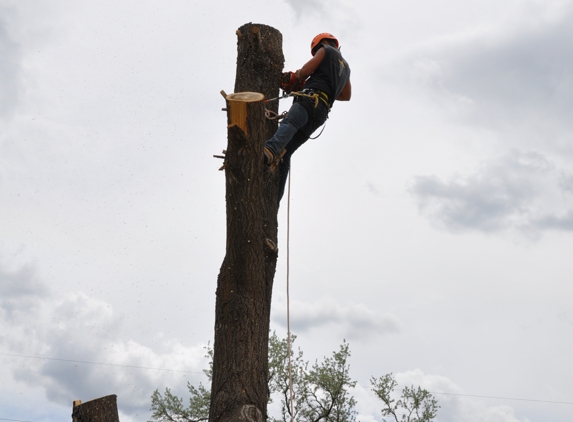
x=415, y=404
x=320, y=391
x=169, y=408
x=279, y=374
x=329, y=382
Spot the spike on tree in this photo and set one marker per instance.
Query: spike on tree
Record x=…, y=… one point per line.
x=244, y=287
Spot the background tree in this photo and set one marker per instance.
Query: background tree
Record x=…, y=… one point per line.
x=321, y=391
x=169, y=408
x=415, y=404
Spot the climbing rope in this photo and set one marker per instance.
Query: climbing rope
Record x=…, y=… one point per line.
x=289, y=342
x=272, y=115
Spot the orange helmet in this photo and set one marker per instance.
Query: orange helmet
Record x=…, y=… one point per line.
x=324, y=36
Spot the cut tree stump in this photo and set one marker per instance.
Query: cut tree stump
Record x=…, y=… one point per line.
x=103, y=409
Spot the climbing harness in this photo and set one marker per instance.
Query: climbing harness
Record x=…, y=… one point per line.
x=314, y=96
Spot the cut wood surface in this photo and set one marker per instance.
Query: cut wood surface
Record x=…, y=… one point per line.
x=237, y=107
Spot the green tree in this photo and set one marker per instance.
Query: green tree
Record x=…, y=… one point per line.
x=279, y=378
x=415, y=404
x=169, y=408
x=321, y=391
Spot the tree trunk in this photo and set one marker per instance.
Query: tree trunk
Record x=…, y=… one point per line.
x=244, y=287
x=103, y=409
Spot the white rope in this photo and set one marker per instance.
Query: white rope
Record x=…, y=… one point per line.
x=288, y=304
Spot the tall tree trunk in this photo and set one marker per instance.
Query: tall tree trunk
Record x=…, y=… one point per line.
x=244, y=287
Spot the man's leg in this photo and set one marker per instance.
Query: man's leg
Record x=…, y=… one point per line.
x=296, y=118
x=300, y=137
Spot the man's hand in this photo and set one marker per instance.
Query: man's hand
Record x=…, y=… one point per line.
x=290, y=82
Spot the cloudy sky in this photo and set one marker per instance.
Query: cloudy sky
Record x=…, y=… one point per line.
x=431, y=223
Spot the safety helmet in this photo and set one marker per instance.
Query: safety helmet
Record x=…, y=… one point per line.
x=316, y=41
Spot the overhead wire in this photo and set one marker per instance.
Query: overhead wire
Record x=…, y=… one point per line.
x=99, y=363
x=502, y=398
x=289, y=340
x=14, y=420
x=289, y=343
x=291, y=398
x=449, y=394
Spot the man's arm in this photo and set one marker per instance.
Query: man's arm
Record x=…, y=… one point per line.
x=346, y=92
x=309, y=67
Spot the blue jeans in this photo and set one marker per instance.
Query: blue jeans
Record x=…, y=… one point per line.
x=295, y=119
x=297, y=127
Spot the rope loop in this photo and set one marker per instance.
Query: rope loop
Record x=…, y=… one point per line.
x=271, y=115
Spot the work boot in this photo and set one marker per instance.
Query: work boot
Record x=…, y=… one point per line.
x=277, y=161
x=269, y=156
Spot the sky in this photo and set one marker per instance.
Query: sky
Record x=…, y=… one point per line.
x=431, y=222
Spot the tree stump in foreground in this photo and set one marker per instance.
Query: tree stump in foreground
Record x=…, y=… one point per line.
x=239, y=389
x=103, y=409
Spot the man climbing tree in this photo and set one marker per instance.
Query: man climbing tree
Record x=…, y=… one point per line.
x=326, y=78
x=239, y=388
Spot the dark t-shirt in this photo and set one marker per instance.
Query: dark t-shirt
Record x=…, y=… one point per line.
x=331, y=75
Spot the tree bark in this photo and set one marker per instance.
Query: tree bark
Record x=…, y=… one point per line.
x=244, y=287
x=103, y=409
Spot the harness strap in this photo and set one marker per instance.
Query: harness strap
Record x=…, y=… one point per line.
x=313, y=95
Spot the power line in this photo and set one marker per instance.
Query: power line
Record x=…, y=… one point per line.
x=13, y=420
x=99, y=363
x=503, y=398
x=195, y=372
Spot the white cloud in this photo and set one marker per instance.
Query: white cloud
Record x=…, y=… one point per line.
x=355, y=321
x=301, y=6
x=517, y=79
x=10, y=66
x=523, y=191
x=335, y=16
x=83, y=329
x=20, y=291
